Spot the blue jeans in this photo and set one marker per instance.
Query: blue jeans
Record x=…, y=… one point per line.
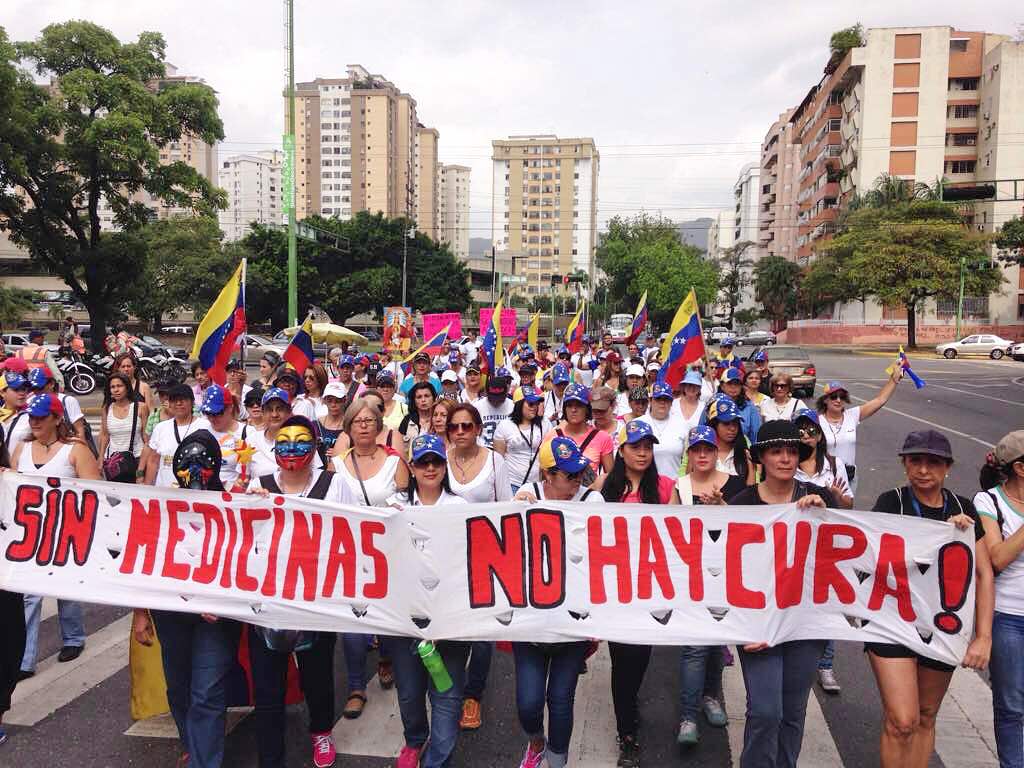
x=72, y=630
x=479, y=667
x=548, y=672
x=356, y=648
x=700, y=674
x=1007, y=675
x=778, y=681
x=828, y=655
x=197, y=659
x=414, y=686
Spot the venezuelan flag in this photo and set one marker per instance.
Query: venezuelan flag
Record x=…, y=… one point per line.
x=221, y=327
x=639, y=320
x=494, y=353
x=574, y=333
x=431, y=346
x=684, y=342
x=300, y=351
x=533, y=330
x=903, y=362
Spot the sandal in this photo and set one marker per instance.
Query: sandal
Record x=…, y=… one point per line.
x=385, y=675
x=354, y=705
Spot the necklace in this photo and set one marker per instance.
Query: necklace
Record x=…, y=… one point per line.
x=461, y=463
x=369, y=455
x=47, y=445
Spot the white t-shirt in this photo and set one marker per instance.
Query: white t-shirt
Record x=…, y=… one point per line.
x=707, y=390
x=842, y=439
x=337, y=492
x=585, y=495
x=15, y=430
x=228, y=441
x=583, y=376
x=491, y=415
x=399, y=500
x=379, y=487
x=622, y=404
x=552, y=407
x=470, y=350
x=772, y=411
x=490, y=484
x=1010, y=582
x=163, y=442
x=668, y=451
x=683, y=423
x=826, y=477
x=520, y=450
x=72, y=408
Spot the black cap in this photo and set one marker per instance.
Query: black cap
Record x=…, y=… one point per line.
x=927, y=442
x=639, y=395
x=421, y=356
x=181, y=392
x=779, y=432
x=253, y=397
x=498, y=385
x=233, y=365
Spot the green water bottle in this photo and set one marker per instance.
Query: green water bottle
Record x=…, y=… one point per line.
x=435, y=665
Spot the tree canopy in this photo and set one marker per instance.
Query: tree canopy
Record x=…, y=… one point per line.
x=93, y=136
x=1010, y=241
x=775, y=285
x=734, y=275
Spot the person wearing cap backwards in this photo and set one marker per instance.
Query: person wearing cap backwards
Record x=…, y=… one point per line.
x=519, y=437
x=668, y=451
x=1000, y=504
x=633, y=479
x=420, y=372
x=52, y=450
x=496, y=406
x=13, y=418
x=198, y=652
x=585, y=362
x=778, y=678
x=840, y=422
x=912, y=686
x=560, y=378
x=596, y=443
x=296, y=476
x=548, y=672
x=157, y=462
x=732, y=387
x=430, y=735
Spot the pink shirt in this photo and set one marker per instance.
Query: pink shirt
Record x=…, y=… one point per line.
x=600, y=445
x=665, y=488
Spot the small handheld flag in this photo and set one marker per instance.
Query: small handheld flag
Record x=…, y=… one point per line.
x=430, y=347
x=300, y=351
x=684, y=342
x=574, y=333
x=904, y=363
x=639, y=320
x=221, y=327
x=493, y=353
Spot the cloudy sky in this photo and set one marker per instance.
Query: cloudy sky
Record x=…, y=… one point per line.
x=676, y=96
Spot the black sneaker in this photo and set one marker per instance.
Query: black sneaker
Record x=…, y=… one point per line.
x=69, y=653
x=629, y=753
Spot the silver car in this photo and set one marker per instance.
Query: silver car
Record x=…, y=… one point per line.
x=976, y=344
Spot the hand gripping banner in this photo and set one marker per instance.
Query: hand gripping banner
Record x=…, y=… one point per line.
x=544, y=572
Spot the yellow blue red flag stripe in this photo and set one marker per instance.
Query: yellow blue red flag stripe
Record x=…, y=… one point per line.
x=300, y=352
x=574, y=333
x=639, y=320
x=223, y=323
x=684, y=343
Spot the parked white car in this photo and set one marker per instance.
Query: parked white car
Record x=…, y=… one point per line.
x=976, y=344
x=1017, y=352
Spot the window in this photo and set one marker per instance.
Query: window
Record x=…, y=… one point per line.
x=964, y=139
x=963, y=83
x=963, y=111
x=958, y=45
x=961, y=166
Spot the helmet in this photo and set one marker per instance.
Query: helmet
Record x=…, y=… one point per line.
x=197, y=462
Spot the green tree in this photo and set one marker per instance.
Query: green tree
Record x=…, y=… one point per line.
x=93, y=135
x=618, y=253
x=842, y=41
x=15, y=303
x=907, y=252
x=822, y=284
x=184, y=267
x=734, y=275
x=667, y=271
x=775, y=286
x=746, y=317
x=1010, y=241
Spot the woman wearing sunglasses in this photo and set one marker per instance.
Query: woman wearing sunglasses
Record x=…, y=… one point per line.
x=548, y=672
x=634, y=479
x=782, y=404
x=519, y=437
x=840, y=420
x=428, y=742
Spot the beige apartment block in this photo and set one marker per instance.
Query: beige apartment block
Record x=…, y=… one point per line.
x=426, y=182
x=780, y=160
x=453, y=208
x=544, y=201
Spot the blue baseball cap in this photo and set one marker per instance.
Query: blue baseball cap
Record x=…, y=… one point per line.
x=576, y=393
x=563, y=454
x=723, y=409
x=733, y=374
x=274, y=393
x=15, y=381
x=503, y=371
x=703, y=434
x=214, y=401
x=531, y=394
x=525, y=352
x=728, y=341
x=834, y=386
x=44, y=404
x=346, y=360
x=560, y=374
x=426, y=445
x=587, y=338
x=693, y=377
x=39, y=377
x=563, y=350
x=662, y=391
x=635, y=431
x=760, y=356
x=805, y=413
x=387, y=376
x=720, y=363
x=453, y=357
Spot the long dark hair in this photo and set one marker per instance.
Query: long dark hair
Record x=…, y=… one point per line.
x=517, y=414
x=413, y=416
x=739, y=450
x=617, y=486
x=108, y=398
x=993, y=473
x=409, y=492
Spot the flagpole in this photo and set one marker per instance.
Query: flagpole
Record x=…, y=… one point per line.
x=245, y=333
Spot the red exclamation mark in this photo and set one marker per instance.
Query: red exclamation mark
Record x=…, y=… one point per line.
x=956, y=566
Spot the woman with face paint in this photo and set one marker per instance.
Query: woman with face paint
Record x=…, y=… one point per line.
x=276, y=409
x=297, y=477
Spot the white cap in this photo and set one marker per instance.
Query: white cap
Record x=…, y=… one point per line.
x=449, y=375
x=335, y=389
x=654, y=366
x=635, y=370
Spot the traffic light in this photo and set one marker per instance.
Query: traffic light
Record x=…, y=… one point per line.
x=566, y=279
x=556, y=279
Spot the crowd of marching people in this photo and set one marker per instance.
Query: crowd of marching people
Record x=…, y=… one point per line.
x=595, y=425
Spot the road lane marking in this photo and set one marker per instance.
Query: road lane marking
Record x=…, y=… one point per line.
x=163, y=727
x=979, y=394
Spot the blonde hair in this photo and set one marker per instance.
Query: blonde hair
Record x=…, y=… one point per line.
x=359, y=405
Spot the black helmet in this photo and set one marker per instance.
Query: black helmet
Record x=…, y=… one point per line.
x=197, y=462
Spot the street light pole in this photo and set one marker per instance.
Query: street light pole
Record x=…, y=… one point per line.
x=407, y=235
x=960, y=303
x=289, y=185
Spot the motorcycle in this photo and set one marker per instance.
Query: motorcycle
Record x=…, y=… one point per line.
x=79, y=376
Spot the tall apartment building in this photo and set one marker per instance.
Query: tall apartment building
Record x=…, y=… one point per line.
x=453, y=208
x=355, y=146
x=544, y=201
x=780, y=164
x=746, y=192
x=426, y=182
x=253, y=186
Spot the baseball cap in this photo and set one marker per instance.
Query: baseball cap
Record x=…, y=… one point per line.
x=385, y=378
x=721, y=363
x=834, y=386
x=288, y=373
x=614, y=357
x=728, y=341
x=503, y=372
x=421, y=356
x=563, y=454
x=44, y=404
x=234, y=364
x=15, y=381
x=927, y=442
x=473, y=367
x=335, y=389
x=39, y=377
x=274, y=393
x=638, y=395
x=15, y=365
x=733, y=374
x=543, y=344
x=372, y=369
x=531, y=394
x=252, y=398
x=805, y=413
x=703, y=434
x=216, y=400
x=346, y=360
x=498, y=384
x=635, y=369
x=635, y=431
x=587, y=338
x=449, y=375
x=529, y=365
x=693, y=377
x=563, y=350
x=760, y=356
x=723, y=409
x=576, y=393
x=560, y=374
x=181, y=392
x=428, y=445
x=661, y=391
x=1010, y=448
x=653, y=366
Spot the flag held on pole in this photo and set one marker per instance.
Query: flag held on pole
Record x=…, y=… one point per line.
x=533, y=331
x=574, y=333
x=904, y=363
x=221, y=327
x=431, y=346
x=684, y=343
x=300, y=351
x=639, y=320
x=493, y=351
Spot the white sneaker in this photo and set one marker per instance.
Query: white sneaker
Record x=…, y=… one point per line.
x=688, y=734
x=827, y=681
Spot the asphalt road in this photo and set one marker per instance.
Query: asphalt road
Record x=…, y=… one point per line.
x=974, y=402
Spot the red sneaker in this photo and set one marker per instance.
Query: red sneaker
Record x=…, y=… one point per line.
x=324, y=751
x=409, y=757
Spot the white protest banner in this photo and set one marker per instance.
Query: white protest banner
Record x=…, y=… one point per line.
x=544, y=572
